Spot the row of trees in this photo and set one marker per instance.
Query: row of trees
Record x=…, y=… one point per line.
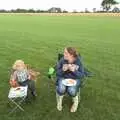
x=22, y=11
x=51, y=10
x=106, y=5
x=115, y=10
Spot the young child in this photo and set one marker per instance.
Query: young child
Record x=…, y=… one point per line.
x=21, y=76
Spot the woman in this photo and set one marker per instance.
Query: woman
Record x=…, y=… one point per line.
x=69, y=67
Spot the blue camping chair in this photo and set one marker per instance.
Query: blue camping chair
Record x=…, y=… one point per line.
x=52, y=74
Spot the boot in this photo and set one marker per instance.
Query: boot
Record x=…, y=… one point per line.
x=75, y=104
x=59, y=102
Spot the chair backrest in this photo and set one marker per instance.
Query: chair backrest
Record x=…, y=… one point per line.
x=60, y=55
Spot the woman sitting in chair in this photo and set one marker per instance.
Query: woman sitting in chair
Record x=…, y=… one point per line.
x=69, y=73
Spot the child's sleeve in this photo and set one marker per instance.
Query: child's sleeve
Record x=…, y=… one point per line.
x=28, y=74
x=13, y=76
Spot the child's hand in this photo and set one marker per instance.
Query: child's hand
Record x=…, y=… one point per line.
x=13, y=83
x=29, y=77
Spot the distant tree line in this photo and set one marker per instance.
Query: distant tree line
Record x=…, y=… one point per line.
x=115, y=10
x=106, y=6
x=51, y=10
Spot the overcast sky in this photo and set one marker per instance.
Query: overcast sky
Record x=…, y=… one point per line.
x=69, y=5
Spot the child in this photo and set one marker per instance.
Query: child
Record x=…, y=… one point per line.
x=22, y=77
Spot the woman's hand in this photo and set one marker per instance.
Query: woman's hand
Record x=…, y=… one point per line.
x=72, y=67
x=65, y=67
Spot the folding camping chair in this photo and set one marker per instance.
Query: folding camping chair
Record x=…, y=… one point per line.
x=52, y=74
x=17, y=96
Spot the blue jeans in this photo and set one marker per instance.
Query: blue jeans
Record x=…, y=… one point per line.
x=71, y=90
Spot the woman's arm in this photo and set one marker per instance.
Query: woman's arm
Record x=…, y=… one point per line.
x=78, y=72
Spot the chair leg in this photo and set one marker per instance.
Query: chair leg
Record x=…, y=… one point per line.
x=17, y=105
x=78, y=94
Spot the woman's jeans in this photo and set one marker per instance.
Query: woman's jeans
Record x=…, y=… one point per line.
x=71, y=90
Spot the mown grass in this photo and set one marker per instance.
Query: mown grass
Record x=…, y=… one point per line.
x=38, y=39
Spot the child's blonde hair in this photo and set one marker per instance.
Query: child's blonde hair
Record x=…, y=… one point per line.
x=33, y=74
x=18, y=62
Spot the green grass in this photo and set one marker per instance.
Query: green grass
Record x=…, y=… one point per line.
x=38, y=39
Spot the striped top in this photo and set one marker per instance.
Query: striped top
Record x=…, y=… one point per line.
x=20, y=76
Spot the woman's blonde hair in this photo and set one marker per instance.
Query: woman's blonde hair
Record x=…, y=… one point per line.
x=18, y=62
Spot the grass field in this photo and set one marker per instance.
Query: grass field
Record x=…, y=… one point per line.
x=38, y=39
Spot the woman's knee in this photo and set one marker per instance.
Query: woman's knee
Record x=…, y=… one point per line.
x=72, y=91
x=61, y=90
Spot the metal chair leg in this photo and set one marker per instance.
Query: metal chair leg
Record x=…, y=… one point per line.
x=17, y=105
